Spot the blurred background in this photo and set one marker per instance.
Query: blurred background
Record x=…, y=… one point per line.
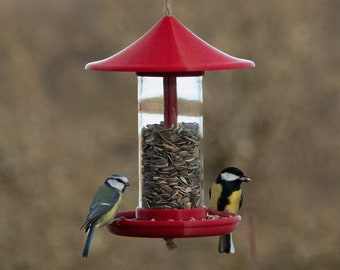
x=63, y=130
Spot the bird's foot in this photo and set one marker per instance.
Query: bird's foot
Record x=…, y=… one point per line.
x=118, y=220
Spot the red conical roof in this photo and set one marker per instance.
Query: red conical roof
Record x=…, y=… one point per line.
x=169, y=47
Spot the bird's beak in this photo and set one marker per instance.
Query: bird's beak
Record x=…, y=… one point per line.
x=245, y=179
x=127, y=184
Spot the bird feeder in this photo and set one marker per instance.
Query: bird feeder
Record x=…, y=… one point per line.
x=170, y=62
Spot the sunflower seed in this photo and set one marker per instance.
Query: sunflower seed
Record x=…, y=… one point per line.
x=171, y=166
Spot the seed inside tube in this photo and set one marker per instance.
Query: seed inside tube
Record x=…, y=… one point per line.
x=171, y=166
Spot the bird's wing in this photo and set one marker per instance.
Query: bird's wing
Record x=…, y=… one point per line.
x=215, y=193
x=104, y=199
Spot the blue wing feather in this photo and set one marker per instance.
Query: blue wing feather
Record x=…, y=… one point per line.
x=99, y=207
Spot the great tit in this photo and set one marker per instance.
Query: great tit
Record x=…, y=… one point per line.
x=104, y=206
x=226, y=195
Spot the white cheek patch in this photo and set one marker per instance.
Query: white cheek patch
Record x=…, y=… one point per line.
x=229, y=176
x=116, y=184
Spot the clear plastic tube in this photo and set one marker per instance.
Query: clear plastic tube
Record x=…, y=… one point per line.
x=170, y=126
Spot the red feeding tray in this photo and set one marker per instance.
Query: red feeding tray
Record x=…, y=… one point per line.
x=213, y=224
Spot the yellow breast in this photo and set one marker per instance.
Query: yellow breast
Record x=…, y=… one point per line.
x=107, y=218
x=234, y=202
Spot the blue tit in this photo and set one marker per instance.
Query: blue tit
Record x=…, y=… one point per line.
x=104, y=206
x=226, y=195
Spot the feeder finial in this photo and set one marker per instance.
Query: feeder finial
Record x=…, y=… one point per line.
x=168, y=7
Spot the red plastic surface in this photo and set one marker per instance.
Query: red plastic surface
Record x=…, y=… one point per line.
x=169, y=214
x=223, y=223
x=169, y=47
x=170, y=100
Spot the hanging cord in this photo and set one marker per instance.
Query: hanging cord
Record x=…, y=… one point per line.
x=168, y=7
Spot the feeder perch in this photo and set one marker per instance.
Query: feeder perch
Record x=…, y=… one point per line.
x=170, y=62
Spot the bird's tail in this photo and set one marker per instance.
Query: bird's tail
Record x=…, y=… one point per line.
x=226, y=244
x=88, y=242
